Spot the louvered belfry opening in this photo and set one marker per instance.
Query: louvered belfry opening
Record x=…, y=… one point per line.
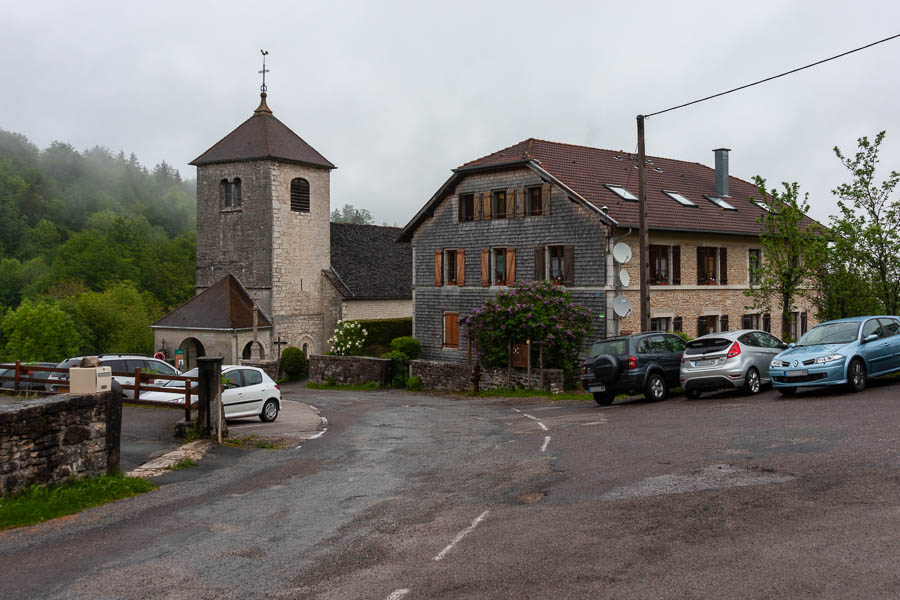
x=299, y=195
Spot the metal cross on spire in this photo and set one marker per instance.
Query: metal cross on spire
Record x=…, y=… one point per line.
x=265, y=53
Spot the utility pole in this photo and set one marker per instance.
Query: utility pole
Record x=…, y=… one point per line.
x=644, y=254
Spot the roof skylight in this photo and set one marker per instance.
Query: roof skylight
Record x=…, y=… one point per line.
x=720, y=202
x=762, y=205
x=621, y=192
x=678, y=198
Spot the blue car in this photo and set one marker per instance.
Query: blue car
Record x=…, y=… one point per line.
x=845, y=352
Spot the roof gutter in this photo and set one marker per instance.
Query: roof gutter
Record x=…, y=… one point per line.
x=535, y=165
x=505, y=165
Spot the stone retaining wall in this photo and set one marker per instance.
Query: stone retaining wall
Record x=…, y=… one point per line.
x=56, y=438
x=347, y=370
x=452, y=377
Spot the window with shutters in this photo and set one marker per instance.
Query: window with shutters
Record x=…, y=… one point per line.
x=707, y=324
x=661, y=324
x=723, y=323
x=467, y=207
x=677, y=324
x=753, y=264
x=299, y=195
x=534, y=202
x=501, y=266
x=767, y=323
x=498, y=204
x=451, y=330
x=557, y=263
x=454, y=267
x=752, y=321
x=659, y=265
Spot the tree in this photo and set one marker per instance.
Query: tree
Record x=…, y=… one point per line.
x=41, y=332
x=869, y=222
x=791, y=249
x=841, y=289
x=350, y=214
x=118, y=318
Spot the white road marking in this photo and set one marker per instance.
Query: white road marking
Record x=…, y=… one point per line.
x=530, y=417
x=593, y=423
x=517, y=410
x=546, y=441
x=397, y=594
x=461, y=535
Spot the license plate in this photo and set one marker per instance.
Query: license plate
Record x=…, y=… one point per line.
x=801, y=373
x=597, y=388
x=704, y=363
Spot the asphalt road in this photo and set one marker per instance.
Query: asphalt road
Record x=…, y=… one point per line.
x=413, y=496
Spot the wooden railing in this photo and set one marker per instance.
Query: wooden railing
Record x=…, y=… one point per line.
x=23, y=373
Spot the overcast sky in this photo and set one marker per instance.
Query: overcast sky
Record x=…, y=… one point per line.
x=398, y=93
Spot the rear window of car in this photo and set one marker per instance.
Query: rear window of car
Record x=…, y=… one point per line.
x=655, y=344
x=704, y=345
x=614, y=347
x=160, y=367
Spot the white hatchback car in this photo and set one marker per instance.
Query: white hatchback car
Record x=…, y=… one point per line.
x=249, y=392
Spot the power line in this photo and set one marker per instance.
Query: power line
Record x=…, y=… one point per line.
x=659, y=112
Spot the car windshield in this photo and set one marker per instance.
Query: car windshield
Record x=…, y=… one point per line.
x=613, y=347
x=830, y=333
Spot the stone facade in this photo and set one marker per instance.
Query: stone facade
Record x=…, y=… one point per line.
x=54, y=439
x=354, y=310
x=453, y=377
x=567, y=224
x=349, y=370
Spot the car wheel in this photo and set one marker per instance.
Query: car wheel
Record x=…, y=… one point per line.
x=604, y=398
x=751, y=382
x=269, y=411
x=656, y=388
x=787, y=391
x=692, y=394
x=856, y=376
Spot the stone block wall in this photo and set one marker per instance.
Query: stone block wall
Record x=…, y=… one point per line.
x=349, y=370
x=53, y=439
x=454, y=377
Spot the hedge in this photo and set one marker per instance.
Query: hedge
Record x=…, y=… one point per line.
x=380, y=332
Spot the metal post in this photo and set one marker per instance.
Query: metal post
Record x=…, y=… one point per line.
x=209, y=372
x=528, y=346
x=644, y=238
x=509, y=365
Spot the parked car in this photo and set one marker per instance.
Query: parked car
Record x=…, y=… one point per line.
x=26, y=386
x=646, y=363
x=728, y=360
x=843, y=352
x=122, y=366
x=248, y=392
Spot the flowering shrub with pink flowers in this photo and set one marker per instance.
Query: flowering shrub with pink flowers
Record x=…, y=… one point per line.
x=538, y=311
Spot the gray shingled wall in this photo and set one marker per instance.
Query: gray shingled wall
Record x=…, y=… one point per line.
x=568, y=224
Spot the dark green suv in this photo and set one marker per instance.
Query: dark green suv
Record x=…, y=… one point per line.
x=646, y=363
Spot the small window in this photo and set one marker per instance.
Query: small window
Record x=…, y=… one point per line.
x=762, y=205
x=660, y=324
x=467, y=207
x=534, y=202
x=720, y=202
x=707, y=324
x=498, y=204
x=225, y=193
x=753, y=263
x=500, y=266
x=306, y=350
x=677, y=324
x=450, y=266
x=299, y=195
x=751, y=321
x=557, y=255
x=237, y=191
x=659, y=265
x=621, y=192
x=678, y=198
x=451, y=330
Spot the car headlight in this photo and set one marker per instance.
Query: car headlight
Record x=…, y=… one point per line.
x=821, y=360
x=778, y=364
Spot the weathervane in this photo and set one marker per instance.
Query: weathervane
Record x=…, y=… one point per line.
x=262, y=88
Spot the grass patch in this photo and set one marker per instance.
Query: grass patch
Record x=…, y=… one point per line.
x=251, y=441
x=42, y=503
x=185, y=464
x=520, y=393
x=357, y=387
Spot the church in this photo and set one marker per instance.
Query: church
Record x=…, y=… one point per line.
x=272, y=270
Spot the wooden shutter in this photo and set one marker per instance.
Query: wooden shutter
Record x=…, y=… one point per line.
x=486, y=204
x=451, y=330
x=804, y=323
x=767, y=323
x=438, y=267
x=701, y=326
x=723, y=266
x=677, y=324
x=521, y=200
x=485, y=267
x=540, y=271
x=545, y=199
x=510, y=203
x=476, y=205
x=701, y=265
x=723, y=323
x=510, y=265
x=568, y=265
x=676, y=265
x=460, y=267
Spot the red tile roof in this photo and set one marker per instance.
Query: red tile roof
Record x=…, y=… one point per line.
x=262, y=137
x=586, y=171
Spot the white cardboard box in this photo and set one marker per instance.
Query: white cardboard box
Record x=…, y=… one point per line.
x=89, y=380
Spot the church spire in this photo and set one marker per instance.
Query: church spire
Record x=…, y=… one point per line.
x=263, y=108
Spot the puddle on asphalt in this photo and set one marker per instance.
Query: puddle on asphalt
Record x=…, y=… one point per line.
x=713, y=477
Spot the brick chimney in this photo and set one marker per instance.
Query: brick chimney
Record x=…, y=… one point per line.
x=722, y=171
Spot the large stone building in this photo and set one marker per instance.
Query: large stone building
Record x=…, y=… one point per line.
x=542, y=210
x=264, y=233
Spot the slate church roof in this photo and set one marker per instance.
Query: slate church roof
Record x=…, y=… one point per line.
x=263, y=137
x=224, y=305
x=367, y=264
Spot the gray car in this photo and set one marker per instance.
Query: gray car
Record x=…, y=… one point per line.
x=728, y=360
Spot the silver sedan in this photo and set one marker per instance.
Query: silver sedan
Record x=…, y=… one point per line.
x=728, y=360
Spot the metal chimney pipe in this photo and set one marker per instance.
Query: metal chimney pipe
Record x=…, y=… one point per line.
x=722, y=171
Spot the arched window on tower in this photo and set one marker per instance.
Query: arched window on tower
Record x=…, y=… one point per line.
x=225, y=193
x=299, y=195
x=236, y=191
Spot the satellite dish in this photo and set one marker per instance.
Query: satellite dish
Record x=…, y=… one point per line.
x=624, y=277
x=622, y=253
x=621, y=306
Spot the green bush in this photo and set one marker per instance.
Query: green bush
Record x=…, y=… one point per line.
x=683, y=335
x=401, y=366
x=294, y=363
x=414, y=383
x=408, y=345
x=382, y=331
